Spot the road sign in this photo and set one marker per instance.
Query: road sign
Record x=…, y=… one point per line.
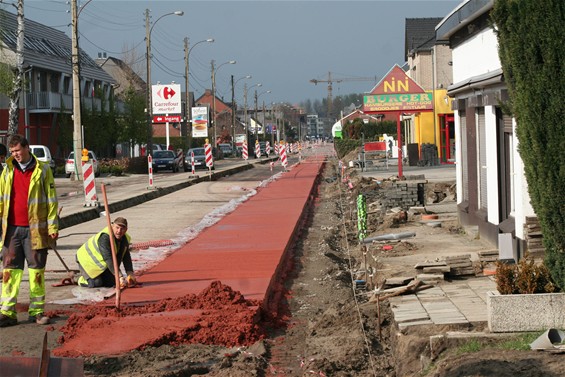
x=167, y=119
x=166, y=99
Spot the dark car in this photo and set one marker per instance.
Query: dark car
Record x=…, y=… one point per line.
x=164, y=160
x=227, y=150
x=199, y=159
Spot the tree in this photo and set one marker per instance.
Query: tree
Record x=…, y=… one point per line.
x=133, y=123
x=530, y=37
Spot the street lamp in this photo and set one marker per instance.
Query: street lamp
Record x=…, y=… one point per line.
x=214, y=70
x=188, y=105
x=233, y=106
x=245, y=90
x=149, y=109
x=256, y=120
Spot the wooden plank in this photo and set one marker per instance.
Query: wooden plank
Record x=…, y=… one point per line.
x=429, y=264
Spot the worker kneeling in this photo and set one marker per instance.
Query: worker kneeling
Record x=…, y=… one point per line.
x=95, y=258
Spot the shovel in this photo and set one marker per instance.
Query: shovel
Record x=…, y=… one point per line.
x=70, y=280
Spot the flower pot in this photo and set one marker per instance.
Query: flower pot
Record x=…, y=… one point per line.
x=525, y=312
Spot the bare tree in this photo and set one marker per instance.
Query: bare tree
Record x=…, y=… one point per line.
x=13, y=112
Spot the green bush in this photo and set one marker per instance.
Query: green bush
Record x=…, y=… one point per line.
x=532, y=58
x=526, y=277
x=344, y=146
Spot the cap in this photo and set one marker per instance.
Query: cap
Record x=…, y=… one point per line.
x=121, y=221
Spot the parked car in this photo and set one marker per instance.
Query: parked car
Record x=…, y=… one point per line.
x=70, y=163
x=165, y=160
x=227, y=150
x=43, y=154
x=199, y=159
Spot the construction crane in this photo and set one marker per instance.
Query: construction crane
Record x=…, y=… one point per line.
x=330, y=82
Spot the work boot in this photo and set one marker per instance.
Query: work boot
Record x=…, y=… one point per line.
x=6, y=321
x=40, y=319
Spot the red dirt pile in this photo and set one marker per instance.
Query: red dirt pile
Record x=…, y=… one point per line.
x=218, y=315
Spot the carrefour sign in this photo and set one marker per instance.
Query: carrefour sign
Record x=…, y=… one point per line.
x=166, y=99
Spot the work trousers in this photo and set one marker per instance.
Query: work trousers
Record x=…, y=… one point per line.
x=15, y=253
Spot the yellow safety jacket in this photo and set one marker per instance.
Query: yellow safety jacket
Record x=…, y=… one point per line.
x=42, y=203
x=90, y=257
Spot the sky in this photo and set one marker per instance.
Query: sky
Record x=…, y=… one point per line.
x=281, y=44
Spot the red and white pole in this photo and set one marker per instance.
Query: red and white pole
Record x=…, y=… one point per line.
x=192, y=163
x=150, y=167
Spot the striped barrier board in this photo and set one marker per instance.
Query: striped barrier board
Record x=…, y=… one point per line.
x=257, y=149
x=284, y=161
x=244, y=152
x=267, y=148
x=90, y=197
x=209, y=158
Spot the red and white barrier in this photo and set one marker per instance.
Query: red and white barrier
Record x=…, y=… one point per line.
x=257, y=149
x=267, y=148
x=284, y=161
x=244, y=152
x=90, y=198
x=150, y=167
x=276, y=148
x=192, y=163
x=209, y=158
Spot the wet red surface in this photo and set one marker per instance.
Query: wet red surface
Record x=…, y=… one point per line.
x=212, y=290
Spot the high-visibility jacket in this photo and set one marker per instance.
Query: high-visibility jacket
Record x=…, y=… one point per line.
x=90, y=257
x=42, y=203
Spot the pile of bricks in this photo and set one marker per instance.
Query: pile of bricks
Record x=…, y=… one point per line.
x=404, y=194
x=458, y=265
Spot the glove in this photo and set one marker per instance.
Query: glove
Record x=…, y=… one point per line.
x=123, y=282
x=131, y=281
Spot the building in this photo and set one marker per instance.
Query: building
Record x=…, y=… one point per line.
x=492, y=191
x=428, y=62
x=46, y=104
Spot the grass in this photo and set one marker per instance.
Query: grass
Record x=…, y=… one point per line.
x=517, y=343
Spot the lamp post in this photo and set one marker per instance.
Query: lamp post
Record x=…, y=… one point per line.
x=214, y=70
x=149, y=109
x=256, y=120
x=234, y=108
x=188, y=104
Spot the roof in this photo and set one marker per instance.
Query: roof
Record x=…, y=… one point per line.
x=461, y=16
x=47, y=48
x=419, y=34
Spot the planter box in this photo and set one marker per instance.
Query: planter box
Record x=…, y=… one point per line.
x=525, y=312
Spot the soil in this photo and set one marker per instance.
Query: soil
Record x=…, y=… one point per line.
x=329, y=327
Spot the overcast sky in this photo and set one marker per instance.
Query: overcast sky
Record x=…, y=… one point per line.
x=282, y=44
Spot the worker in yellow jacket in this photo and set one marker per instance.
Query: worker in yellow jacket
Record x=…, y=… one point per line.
x=28, y=210
x=95, y=257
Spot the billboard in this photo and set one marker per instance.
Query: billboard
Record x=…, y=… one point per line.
x=166, y=99
x=199, y=121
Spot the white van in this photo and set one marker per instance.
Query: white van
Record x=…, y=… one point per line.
x=43, y=154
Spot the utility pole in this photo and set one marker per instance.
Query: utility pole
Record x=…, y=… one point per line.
x=77, y=121
x=256, y=120
x=187, y=131
x=213, y=102
x=245, y=111
x=232, y=114
x=148, y=110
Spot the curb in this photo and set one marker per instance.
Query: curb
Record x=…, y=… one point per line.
x=94, y=212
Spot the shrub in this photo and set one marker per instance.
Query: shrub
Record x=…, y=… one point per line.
x=526, y=277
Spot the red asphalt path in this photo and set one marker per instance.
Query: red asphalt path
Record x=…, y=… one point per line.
x=242, y=250
x=245, y=250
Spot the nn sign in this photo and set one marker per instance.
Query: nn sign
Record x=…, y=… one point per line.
x=397, y=92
